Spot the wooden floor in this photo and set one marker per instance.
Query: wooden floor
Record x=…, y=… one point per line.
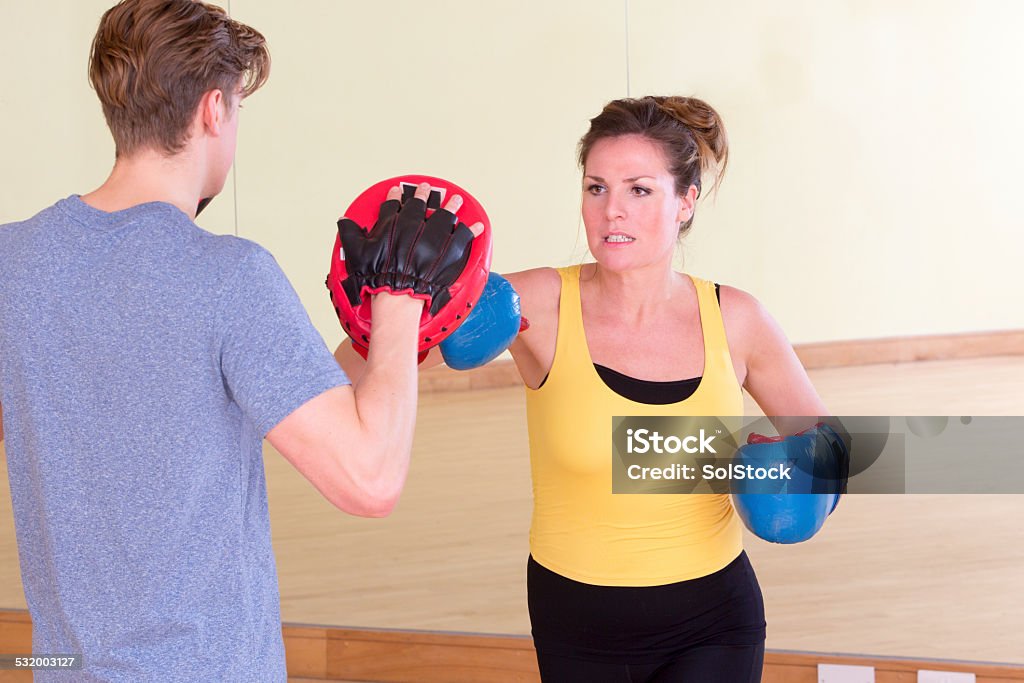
x=913, y=576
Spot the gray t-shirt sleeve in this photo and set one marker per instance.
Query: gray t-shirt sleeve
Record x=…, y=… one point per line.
x=272, y=358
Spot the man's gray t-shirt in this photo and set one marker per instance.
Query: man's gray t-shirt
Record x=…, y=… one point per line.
x=142, y=361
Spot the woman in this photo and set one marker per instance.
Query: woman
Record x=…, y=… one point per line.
x=637, y=588
x=642, y=587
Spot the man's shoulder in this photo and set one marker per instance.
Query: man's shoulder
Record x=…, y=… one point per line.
x=18, y=234
x=233, y=255
x=46, y=215
x=228, y=248
x=237, y=267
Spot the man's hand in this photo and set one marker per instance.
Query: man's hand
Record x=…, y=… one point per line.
x=406, y=252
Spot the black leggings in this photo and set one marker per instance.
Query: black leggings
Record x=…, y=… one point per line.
x=706, y=630
x=704, y=664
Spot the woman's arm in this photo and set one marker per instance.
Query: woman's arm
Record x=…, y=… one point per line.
x=774, y=376
x=534, y=349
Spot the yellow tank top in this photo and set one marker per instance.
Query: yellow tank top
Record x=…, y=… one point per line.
x=580, y=529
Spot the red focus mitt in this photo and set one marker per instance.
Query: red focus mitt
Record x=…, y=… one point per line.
x=412, y=247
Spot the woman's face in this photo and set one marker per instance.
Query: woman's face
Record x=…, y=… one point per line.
x=630, y=207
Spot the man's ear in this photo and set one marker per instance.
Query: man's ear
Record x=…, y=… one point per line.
x=213, y=111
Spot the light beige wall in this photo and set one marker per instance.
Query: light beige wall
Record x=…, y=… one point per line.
x=53, y=139
x=492, y=99
x=875, y=146
x=876, y=153
x=52, y=136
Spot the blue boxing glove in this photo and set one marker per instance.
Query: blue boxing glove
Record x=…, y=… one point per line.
x=488, y=330
x=792, y=510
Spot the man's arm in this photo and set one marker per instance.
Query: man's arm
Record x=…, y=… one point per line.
x=353, y=443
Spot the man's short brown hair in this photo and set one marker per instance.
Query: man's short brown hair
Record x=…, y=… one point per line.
x=152, y=61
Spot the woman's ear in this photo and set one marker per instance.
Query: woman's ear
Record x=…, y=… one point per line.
x=688, y=201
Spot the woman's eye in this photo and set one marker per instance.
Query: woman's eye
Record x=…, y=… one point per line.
x=641, y=191
x=595, y=189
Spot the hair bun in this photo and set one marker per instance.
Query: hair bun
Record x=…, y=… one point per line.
x=706, y=126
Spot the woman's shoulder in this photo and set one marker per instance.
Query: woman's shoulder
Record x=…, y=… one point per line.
x=539, y=291
x=534, y=349
x=739, y=306
x=536, y=282
x=738, y=301
x=746, y=319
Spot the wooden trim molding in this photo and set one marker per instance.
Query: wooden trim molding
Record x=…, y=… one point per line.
x=782, y=666
x=318, y=653
x=502, y=373
x=407, y=656
x=494, y=375
x=910, y=349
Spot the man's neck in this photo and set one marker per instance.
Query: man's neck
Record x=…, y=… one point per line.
x=149, y=176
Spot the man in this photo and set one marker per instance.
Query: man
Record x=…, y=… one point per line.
x=142, y=362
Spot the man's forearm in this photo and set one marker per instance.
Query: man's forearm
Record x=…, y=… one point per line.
x=385, y=390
